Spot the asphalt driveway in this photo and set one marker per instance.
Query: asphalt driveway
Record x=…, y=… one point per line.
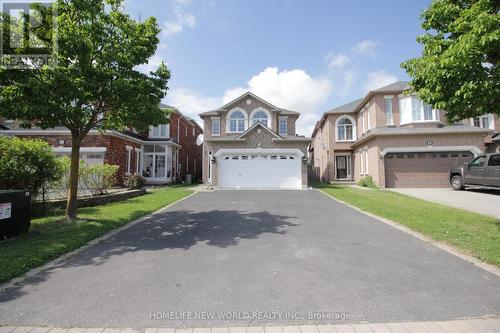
x=486, y=202
x=277, y=257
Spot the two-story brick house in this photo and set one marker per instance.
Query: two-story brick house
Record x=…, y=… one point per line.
x=250, y=143
x=396, y=139
x=164, y=155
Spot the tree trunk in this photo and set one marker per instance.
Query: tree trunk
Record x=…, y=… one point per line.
x=71, y=207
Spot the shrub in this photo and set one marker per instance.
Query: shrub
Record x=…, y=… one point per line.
x=62, y=185
x=27, y=164
x=367, y=182
x=134, y=182
x=98, y=178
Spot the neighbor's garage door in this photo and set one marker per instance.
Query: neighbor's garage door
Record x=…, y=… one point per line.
x=281, y=171
x=422, y=169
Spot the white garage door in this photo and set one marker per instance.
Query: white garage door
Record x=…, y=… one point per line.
x=246, y=171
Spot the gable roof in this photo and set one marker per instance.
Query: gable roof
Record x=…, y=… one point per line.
x=355, y=106
x=254, y=126
x=245, y=95
x=396, y=86
x=346, y=108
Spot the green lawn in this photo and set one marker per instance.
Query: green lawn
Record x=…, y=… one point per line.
x=48, y=238
x=476, y=234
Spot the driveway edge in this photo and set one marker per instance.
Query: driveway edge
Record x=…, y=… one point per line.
x=66, y=256
x=487, y=324
x=448, y=248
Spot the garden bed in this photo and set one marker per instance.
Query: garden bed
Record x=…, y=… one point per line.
x=96, y=200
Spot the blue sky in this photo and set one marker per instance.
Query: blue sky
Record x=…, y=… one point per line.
x=309, y=56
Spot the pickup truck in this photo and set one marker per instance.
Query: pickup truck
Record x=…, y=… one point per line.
x=483, y=171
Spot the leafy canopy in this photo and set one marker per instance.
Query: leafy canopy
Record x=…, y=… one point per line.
x=95, y=81
x=458, y=70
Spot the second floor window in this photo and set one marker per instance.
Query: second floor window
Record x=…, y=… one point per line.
x=259, y=117
x=486, y=121
x=215, y=126
x=283, y=126
x=389, y=120
x=412, y=109
x=160, y=131
x=237, y=122
x=345, y=130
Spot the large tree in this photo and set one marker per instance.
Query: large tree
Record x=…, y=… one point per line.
x=94, y=82
x=458, y=70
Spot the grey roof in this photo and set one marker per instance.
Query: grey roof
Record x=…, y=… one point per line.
x=446, y=129
x=165, y=106
x=396, y=86
x=289, y=112
x=416, y=130
x=346, y=108
x=209, y=113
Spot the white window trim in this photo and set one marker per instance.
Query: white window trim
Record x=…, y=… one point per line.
x=280, y=118
x=129, y=160
x=365, y=124
x=228, y=122
x=364, y=162
x=167, y=131
x=351, y=119
x=254, y=111
x=391, y=99
x=491, y=120
x=138, y=160
x=435, y=112
x=212, y=119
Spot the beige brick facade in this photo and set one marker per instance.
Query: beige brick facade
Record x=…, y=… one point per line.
x=371, y=114
x=255, y=138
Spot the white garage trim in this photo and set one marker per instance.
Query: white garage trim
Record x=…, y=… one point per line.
x=473, y=149
x=254, y=168
x=295, y=151
x=82, y=149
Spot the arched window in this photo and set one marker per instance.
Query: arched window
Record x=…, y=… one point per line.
x=259, y=117
x=237, y=121
x=345, y=129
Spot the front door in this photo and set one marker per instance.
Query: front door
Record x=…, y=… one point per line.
x=343, y=167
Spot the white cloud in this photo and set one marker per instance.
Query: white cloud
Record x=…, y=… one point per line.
x=378, y=79
x=347, y=73
x=192, y=103
x=182, y=20
x=152, y=64
x=337, y=60
x=366, y=46
x=290, y=89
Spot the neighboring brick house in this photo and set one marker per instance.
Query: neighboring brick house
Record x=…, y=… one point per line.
x=396, y=139
x=250, y=143
x=164, y=155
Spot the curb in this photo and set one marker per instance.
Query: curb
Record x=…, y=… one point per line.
x=448, y=248
x=55, y=262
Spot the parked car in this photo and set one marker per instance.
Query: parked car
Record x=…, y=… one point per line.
x=483, y=171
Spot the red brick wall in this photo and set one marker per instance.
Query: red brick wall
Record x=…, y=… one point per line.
x=189, y=150
x=116, y=152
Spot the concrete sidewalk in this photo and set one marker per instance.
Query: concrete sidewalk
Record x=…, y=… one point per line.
x=478, y=325
x=474, y=200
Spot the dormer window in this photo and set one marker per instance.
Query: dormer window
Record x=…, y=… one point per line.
x=259, y=117
x=160, y=131
x=237, y=121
